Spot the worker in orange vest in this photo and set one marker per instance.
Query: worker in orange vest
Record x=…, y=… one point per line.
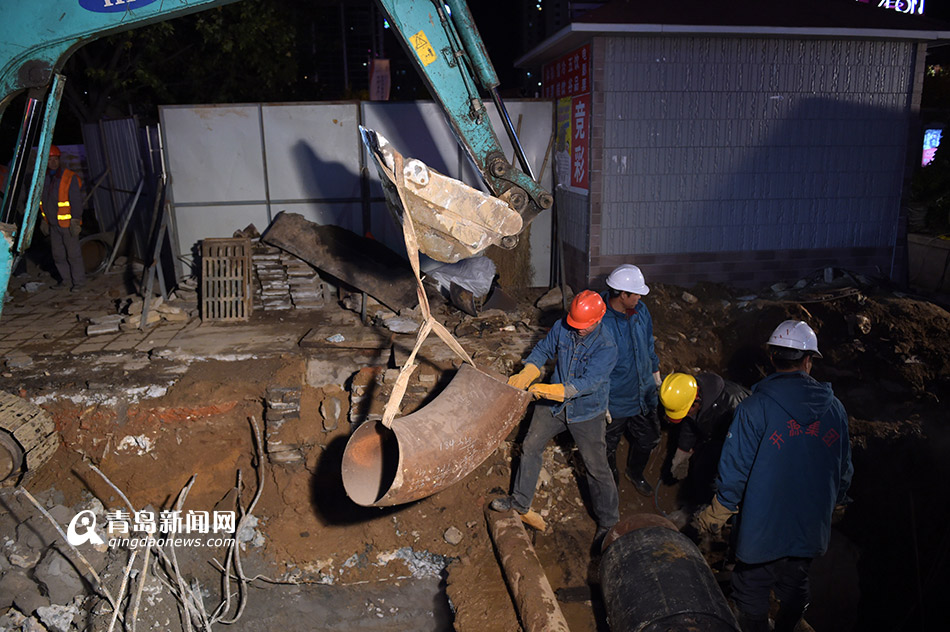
x=62, y=192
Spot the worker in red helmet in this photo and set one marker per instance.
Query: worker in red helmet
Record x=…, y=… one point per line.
x=575, y=400
x=61, y=220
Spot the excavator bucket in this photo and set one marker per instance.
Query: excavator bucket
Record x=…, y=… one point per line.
x=453, y=221
x=434, y=447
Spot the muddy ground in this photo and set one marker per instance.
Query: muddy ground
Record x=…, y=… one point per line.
x=886, y=355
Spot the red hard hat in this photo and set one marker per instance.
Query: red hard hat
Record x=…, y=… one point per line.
x=54, y=150
x=587, y=309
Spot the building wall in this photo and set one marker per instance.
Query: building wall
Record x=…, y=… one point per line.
x=714, y=155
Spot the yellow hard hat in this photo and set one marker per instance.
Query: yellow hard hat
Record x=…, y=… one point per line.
x=677, y=394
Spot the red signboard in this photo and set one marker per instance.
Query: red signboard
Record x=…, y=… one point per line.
x=568, y=75
x=580, y=128
x=568, y=80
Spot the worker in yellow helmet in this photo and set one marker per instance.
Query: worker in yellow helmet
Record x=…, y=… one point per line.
x=705, y=403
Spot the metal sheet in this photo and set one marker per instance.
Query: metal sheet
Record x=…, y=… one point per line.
x=214, y=153
x=358, y=261
x=434, y=447
x=312, y=151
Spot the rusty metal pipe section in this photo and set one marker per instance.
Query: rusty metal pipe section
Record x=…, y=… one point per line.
x=654, y=579
x=434, y=447
x=534, y=598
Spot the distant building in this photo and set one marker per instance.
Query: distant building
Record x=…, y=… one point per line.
x=741, y=141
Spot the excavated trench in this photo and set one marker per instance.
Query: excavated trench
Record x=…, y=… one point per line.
x=429, y=564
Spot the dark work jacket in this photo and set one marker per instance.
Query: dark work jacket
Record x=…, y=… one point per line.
x=785, y=464
x=719, y=399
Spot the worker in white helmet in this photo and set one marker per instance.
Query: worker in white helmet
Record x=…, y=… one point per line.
x=635, y=377
x=785, y=465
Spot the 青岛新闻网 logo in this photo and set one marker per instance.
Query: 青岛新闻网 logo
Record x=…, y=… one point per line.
x=85, y=520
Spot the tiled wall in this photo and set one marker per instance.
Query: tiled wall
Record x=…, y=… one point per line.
x=741, y=146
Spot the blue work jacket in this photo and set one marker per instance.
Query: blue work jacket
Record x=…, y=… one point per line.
x=632, y=387
x=583, y=365
x=785, y=464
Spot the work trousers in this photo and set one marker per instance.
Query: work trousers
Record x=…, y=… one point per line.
x=787, y=576
x=644, y=433
x=67, y=255
x=589, y=437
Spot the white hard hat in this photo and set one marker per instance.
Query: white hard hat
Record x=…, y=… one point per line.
x=628, y=278
x=797, y=335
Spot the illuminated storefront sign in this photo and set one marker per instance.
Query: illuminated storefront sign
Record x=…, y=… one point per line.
x=901, y=6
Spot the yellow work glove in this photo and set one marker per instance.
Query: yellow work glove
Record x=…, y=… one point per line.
x=523, y=379
x=713, y=517
x=74, y=228
x=553, y=392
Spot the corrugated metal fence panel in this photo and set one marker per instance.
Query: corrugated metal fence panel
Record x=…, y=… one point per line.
x=722, y=144
x=116, y=158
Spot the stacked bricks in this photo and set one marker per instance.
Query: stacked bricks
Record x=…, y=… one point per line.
x=270, y=279
x=281, y=414
x=283, y=281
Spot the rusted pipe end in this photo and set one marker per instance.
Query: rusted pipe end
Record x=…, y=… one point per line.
x=634, y=522
x=370, y=462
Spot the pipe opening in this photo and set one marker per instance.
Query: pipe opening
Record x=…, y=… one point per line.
x=370, y=463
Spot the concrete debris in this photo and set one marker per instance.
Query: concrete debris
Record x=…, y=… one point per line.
x=489, y=320
x=18, y=360
x=249, y=533
x=141, y=444
x=33, y=286
x=14, y=620
x=689, y=298
x=552, y=299
x=400, y=325
x=452, y=535
x=105, y=328
x=60, y=578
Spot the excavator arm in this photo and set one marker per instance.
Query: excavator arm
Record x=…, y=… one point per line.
x=444, y=44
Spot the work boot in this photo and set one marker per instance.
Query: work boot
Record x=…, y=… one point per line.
x=636, y=463
x=639, y=483
x=505, y=503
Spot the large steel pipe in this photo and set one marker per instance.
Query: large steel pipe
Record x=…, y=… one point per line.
x=654, y=579
x=435, y=446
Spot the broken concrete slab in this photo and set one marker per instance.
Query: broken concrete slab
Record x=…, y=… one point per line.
x=363, y=263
